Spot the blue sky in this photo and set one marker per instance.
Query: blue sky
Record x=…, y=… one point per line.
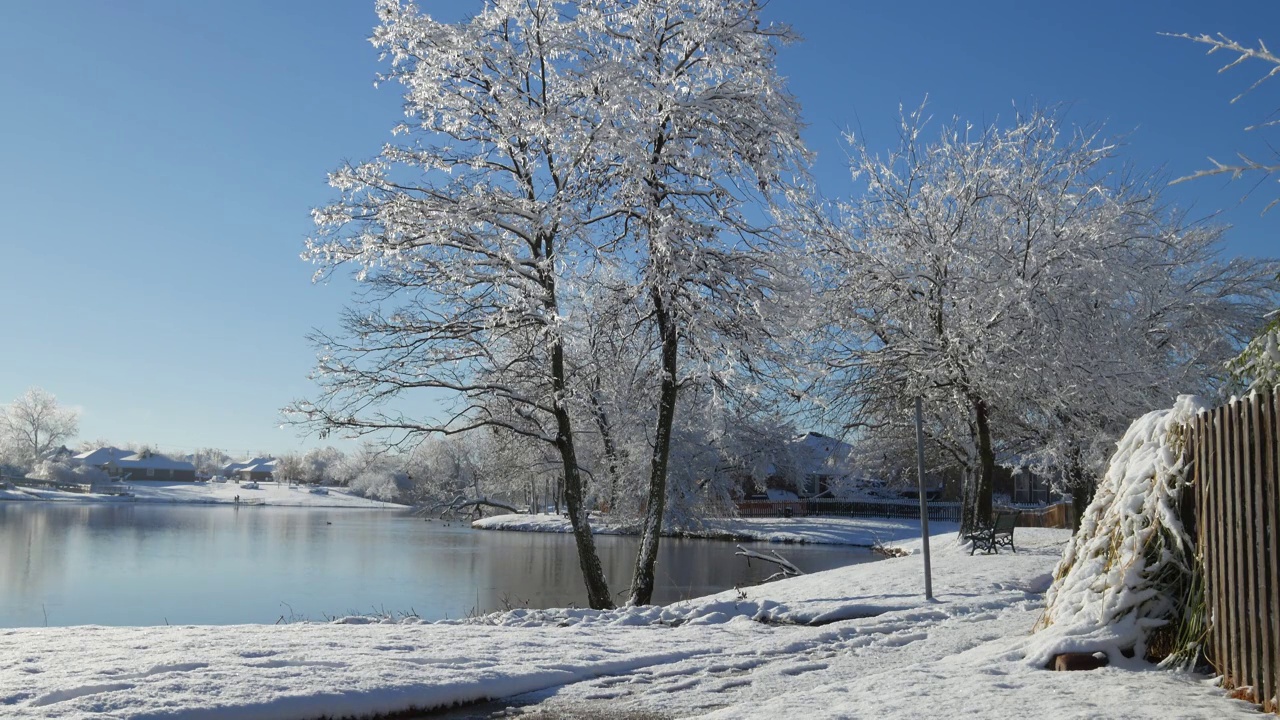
x=161, y=159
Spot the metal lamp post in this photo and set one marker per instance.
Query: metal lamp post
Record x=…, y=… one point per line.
x=924, y=504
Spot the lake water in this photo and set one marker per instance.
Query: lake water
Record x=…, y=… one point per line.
x=138, y=564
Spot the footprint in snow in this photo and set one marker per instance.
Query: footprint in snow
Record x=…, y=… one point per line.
x=297, y=663
x=58, y=696
x=728, y=685
x=806, y=667
x=907, y=639
x=161, y=669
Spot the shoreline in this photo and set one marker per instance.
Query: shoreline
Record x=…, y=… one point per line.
x=165, y=492
x=854, y=532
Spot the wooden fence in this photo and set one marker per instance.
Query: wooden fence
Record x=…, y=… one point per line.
x=1235, y=456
x=1060, y=515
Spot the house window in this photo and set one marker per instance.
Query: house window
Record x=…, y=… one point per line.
x=151, y=472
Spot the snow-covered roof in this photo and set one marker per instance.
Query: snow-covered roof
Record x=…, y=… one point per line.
x=819, y=454
x=258, y=464
x=102, y=456
x=153, y=461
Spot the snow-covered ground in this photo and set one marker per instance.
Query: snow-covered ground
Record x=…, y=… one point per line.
x=162, y=491
x=819, y=530
x=856, y=642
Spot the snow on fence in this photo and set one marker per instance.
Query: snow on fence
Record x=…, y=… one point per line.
x=1235, y=453
x=938, y=511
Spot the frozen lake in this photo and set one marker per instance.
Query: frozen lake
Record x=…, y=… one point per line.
x=139, y=564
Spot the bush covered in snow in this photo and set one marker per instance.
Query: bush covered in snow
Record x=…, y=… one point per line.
x=65, y=473
x=381, y=484
x=1131, y=567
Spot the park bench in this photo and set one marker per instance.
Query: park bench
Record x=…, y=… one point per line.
x=989, y=539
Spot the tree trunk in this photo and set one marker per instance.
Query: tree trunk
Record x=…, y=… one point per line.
x=642, y=580
x=1082, y=489
x=977, y=509
x=598, y=596
x=610, y=449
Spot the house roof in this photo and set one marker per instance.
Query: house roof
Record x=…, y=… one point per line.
x=258, y=464
x=102, y=456
x=153, y=461
x=824, y=455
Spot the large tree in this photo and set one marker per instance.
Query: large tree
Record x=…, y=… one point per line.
x=566, y=159
x=1019, y=277
x=707, y=141
x=470, y=238
x=34, y=424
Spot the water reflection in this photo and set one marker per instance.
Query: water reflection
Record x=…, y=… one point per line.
x=139, y=564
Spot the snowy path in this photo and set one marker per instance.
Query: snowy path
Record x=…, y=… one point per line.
x=880, y=651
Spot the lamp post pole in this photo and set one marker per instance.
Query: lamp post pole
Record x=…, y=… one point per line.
x=924, y=504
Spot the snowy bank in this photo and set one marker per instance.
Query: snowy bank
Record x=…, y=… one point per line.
x=854, y=642
x=864, y=532
x=205, y=493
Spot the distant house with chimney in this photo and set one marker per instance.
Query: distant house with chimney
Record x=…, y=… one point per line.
x=144, y=465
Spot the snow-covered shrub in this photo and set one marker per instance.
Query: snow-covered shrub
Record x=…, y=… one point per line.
x=380, y=484
x=65, y=473
x=1131, y=567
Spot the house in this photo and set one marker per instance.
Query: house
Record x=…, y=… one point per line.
x=144, y=465
x=1032, y=488
x=148, y=465
x=60, y=454
x=253, y=470
x=104, y=458
x=812, y=466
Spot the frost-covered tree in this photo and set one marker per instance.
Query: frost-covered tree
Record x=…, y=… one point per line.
x=319, y=466
x=468, y=237
x=550, y=145
x=1167, y=316
x=706, y=138
x=34, y=424
x=208, y=461
x=1017, y=277
x=289, y=467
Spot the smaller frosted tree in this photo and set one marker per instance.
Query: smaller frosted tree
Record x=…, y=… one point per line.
x=1027, y=287
x=35, y=424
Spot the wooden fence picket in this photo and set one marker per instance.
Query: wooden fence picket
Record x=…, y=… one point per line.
x=1234, y=455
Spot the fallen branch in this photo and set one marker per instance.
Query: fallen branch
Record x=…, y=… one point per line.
x=787, y=568
x=460, y=503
